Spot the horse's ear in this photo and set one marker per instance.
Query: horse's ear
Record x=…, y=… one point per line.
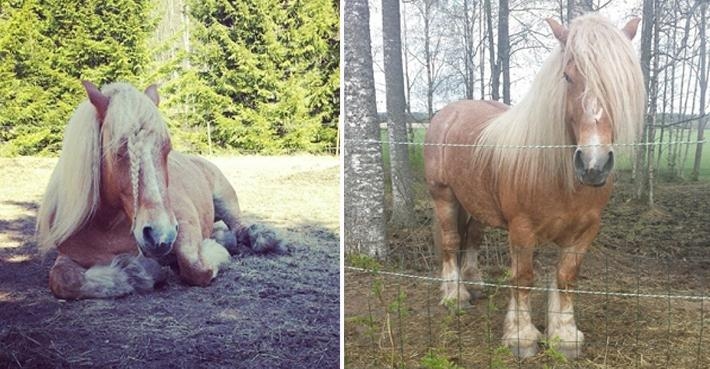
x=630, y=28
x=558, y=30
x=152, y=92
x=98, y=100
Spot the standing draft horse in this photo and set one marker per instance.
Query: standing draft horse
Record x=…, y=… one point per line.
x=588, y=96
x=121, y=203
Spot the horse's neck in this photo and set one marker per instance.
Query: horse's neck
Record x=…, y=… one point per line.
x=109, y=217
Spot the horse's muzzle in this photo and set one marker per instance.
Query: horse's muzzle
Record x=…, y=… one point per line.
x=593, y=171
x=157, y=241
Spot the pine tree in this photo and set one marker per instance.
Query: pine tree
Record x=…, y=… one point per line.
x=263, y=74
x=47, y=47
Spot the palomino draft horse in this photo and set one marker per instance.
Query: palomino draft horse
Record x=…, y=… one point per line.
x=588, y=96
x=120, y=203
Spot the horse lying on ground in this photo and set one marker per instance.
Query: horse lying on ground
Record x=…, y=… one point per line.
x=121, y=203
x=484, y=167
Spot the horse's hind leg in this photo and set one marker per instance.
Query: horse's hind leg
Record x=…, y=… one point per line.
x=472, y=233
x=226, y=209
x=256, y=238
x=448, y=239
x=562, y=330
x=124, y=275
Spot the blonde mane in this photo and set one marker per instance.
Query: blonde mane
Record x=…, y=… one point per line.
x=605, y=57
x=73, y=194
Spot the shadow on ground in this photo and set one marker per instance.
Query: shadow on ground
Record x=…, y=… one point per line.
x=260, y=312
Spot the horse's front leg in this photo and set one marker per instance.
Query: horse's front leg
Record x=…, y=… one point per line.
x=198, y=259
x=562, y=330
x=519, y=334
x=123, y=275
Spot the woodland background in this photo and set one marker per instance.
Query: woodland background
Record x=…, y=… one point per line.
x=415, y=56
x=253, y=76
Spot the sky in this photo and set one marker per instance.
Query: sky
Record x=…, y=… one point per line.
x=524, y=63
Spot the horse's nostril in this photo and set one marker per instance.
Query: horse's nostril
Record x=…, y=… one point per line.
x=610, y=162
x=148, y=235
x=578, y=162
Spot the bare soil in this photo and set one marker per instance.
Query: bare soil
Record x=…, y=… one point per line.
x=260, y=312
x=394, y=321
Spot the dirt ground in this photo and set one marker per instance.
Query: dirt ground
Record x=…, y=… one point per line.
x=260, y=312
x=395, y=321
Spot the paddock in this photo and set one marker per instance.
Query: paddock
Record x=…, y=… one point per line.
x=642, y=298
x=260, y=312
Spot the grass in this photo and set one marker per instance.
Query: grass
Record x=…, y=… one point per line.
x=265, y=186
x=623, y=159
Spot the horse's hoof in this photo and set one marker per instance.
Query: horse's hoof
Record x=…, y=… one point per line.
x=570, y=352
x=570, y=349
x=524, y=351
x=226, y=238
x=522, y=341
x=456, y=305
x=477, y=294
x=568, y=342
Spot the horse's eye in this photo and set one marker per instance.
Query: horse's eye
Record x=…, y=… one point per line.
x=566, y=77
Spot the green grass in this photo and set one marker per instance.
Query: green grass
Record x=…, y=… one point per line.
x=623, y=162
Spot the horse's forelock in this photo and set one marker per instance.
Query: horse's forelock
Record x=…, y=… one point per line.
x=130, y=114
x=73, y=192
x=604, y=55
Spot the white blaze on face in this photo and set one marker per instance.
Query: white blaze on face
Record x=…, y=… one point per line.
x=151, y=189
x=594, y=150
x=151, y=208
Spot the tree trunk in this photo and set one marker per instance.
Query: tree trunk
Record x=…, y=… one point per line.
x=495, y=68
x=429, y=60
x=646, y=45
x=702, y=122
x=684, y=93
x=652, y=109
x=364, y=199
x=482, y=60
x=407, y=83
x=575, y=8
x=468, y=21
x=400, y=172
x=504, y=48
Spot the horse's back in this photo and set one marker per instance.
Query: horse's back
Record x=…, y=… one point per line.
x=222, y=195
x=459, y=123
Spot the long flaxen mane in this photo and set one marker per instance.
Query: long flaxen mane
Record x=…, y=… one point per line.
x=605, y=57
x=73, y=192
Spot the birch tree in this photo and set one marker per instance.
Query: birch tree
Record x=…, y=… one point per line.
x=647, y=31
x=504, y=48
x=703, y=80
x=575, y=8
x=400, y=172
x=364, y=199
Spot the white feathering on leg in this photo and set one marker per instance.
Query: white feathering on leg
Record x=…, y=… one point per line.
x=213, y=255
x=106, y=281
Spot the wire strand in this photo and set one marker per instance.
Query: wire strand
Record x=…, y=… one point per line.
x=547, y=289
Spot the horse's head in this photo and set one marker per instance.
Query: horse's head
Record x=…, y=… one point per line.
x=594, y=90
x=134, y=168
